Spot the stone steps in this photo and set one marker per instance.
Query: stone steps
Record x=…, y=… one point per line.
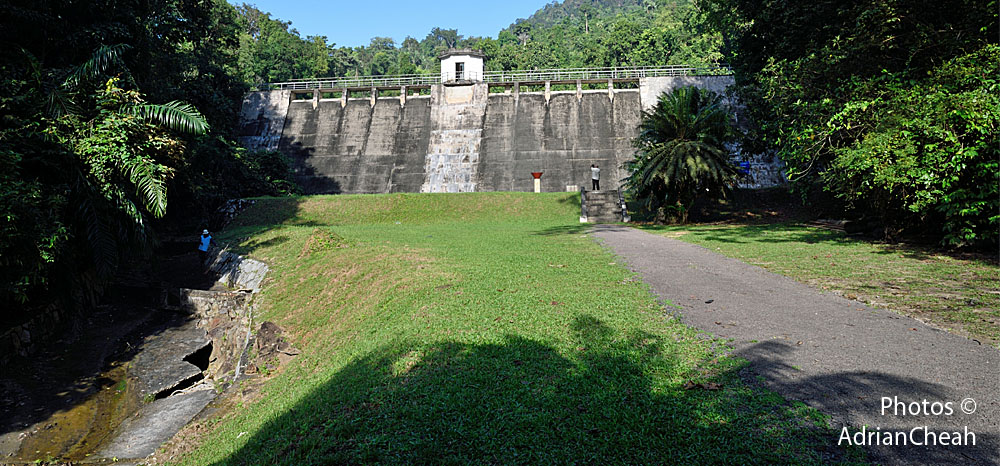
x=601, y=207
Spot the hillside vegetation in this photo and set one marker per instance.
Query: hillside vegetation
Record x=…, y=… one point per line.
x=471, y=328
x=574, y=33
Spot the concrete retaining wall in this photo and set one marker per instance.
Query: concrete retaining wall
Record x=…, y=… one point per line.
x=461, y=138
x=357, y=147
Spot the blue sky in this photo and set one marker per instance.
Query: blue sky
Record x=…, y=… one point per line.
x=353, y=23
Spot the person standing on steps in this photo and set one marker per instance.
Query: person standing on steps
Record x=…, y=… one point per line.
x=205, y=242
x=595, y=176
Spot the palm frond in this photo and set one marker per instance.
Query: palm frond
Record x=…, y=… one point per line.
x=149, y=187
x=175, y=115
x=101, y=244
x=59, y=103
x=680, y=148
x=33, y=64
x=132, y=226
x=103, y=59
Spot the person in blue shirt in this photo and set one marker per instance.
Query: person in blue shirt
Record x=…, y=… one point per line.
x=203, y=245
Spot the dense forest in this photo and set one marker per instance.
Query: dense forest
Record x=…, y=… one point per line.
x=118, y=118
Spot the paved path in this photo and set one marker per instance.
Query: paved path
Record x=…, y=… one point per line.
x=834, y=354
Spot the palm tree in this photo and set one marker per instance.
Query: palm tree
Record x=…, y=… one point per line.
x=124, y=172
x=681, y=152
x=113, y=159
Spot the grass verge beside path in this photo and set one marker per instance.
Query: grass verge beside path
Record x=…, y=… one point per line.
x=961, y=293
x=483, y=328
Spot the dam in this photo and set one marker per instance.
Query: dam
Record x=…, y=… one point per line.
x=466, y=130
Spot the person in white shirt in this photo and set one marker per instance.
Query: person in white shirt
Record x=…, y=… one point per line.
x=205, y=242
x=595, y=176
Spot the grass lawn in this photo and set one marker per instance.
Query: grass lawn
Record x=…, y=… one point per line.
x=482, y=328
x=955, y=292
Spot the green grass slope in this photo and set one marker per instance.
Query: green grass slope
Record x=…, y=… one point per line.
x=483, y=328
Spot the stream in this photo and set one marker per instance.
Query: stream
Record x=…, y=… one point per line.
x=84, y=396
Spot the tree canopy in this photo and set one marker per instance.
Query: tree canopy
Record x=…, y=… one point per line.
x=111, y=113
x=883, y=110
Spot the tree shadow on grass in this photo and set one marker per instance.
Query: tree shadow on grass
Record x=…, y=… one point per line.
x=799, y=233
x=522, y=401
x=574, y=229
x=265, y=214
x=571, y=200
x=581, y=228
x=925, y=252
x=763, y=233
x=777, y=233
x=250, y=245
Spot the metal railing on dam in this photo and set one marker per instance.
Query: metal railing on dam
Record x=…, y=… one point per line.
x=502, y=77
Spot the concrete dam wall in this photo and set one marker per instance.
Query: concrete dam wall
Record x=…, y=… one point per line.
x=357, y=147
x=460, y=138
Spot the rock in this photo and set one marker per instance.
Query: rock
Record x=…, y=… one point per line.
x=272, y=347
x=161, y=365
x=236, y=271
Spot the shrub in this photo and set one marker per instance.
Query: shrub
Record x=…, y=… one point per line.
x=926, y=155
x=681, y=152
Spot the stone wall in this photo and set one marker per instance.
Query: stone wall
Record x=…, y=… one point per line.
x=234, y=272
x=452, y=160
x=24, y=339
x=226, y=318
x=224, y=314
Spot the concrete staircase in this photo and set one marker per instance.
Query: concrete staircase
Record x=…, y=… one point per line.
x=601, y=207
